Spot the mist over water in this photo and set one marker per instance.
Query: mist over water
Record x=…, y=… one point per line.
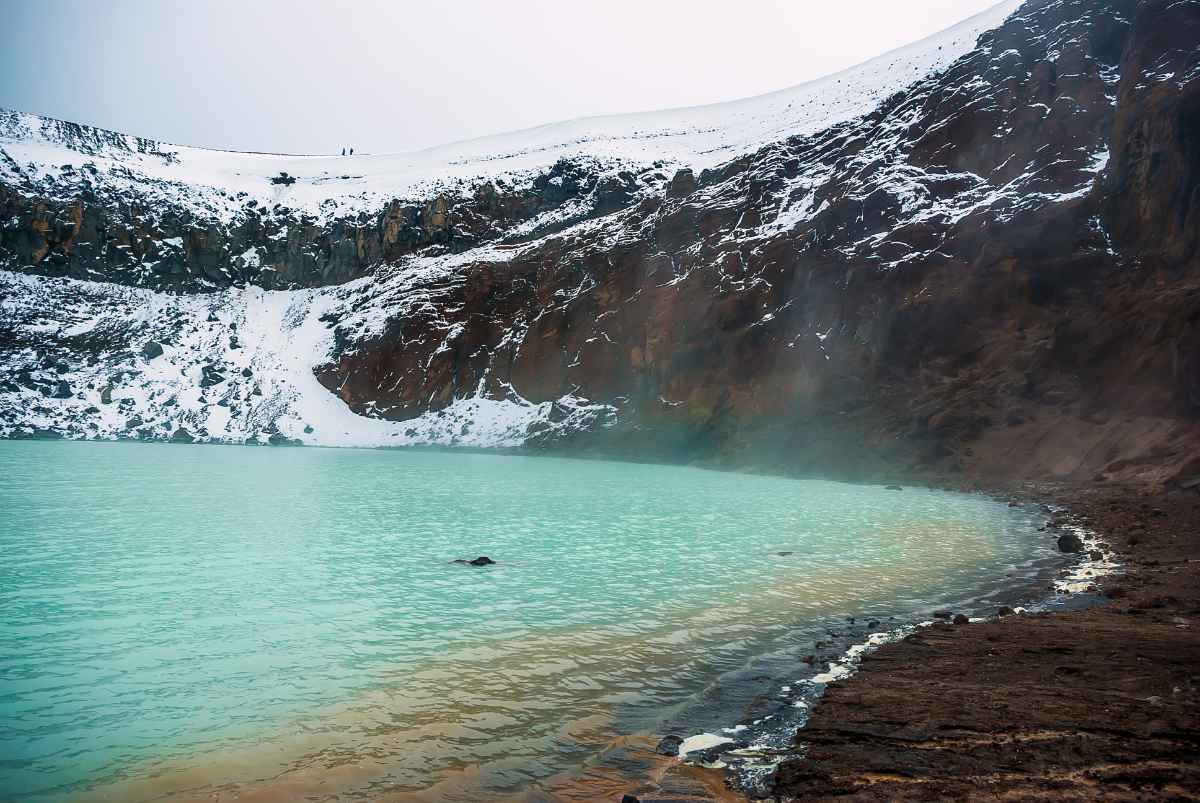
x=176, y=618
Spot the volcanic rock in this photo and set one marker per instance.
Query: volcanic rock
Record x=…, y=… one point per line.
x=1070, y=542
x=669, y=746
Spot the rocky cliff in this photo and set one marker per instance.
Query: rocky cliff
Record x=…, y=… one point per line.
x=979, y=254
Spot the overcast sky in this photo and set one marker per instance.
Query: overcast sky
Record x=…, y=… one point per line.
x=309, y=77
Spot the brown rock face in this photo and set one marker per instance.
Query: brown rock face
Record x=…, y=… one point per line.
x=975, y=291
x=1153, y=185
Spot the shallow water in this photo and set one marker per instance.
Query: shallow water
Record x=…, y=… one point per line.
x=179, y=620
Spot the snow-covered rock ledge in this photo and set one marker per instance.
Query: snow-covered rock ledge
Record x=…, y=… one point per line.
x=94, y=360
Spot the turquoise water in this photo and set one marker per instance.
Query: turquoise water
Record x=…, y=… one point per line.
x=176, y=619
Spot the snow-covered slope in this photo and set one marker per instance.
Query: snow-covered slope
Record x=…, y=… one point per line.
x=218, y=184
x=235, y=366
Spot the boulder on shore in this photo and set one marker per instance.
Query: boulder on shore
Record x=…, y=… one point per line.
x=1070, y=543
x=669, y=746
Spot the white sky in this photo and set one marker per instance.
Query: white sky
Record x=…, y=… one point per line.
x=309, y=77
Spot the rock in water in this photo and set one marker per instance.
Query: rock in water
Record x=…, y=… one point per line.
x=961, y=619
x=482, y=560
x=669, y=746
x=893, y=488
x=1005, y=611
x=1070, y=543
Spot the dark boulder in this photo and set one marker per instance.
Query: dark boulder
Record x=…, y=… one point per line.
x=211, y=375
x=961, y=619
x=62, y=390
x=152, y=349
x=181, y=435
x=1070, y=543
x=683, y=183
x=482, y=560
x=1005, y=611
x=669, y=746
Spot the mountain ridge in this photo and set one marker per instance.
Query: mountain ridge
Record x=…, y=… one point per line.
x=979, y=261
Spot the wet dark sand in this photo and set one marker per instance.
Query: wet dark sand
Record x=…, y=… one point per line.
x=1080, y=705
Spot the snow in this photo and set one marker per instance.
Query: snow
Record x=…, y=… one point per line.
x=280, y=340
x=220, y=183
x=702, y=741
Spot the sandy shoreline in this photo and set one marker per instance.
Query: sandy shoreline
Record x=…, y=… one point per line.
x=1097, y=702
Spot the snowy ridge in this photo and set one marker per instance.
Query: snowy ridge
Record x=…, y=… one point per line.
x=218, y=184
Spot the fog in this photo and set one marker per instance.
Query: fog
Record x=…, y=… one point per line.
x=308, y=77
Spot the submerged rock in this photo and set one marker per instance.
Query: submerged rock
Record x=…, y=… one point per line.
x=893, y=488
x=482, y=560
